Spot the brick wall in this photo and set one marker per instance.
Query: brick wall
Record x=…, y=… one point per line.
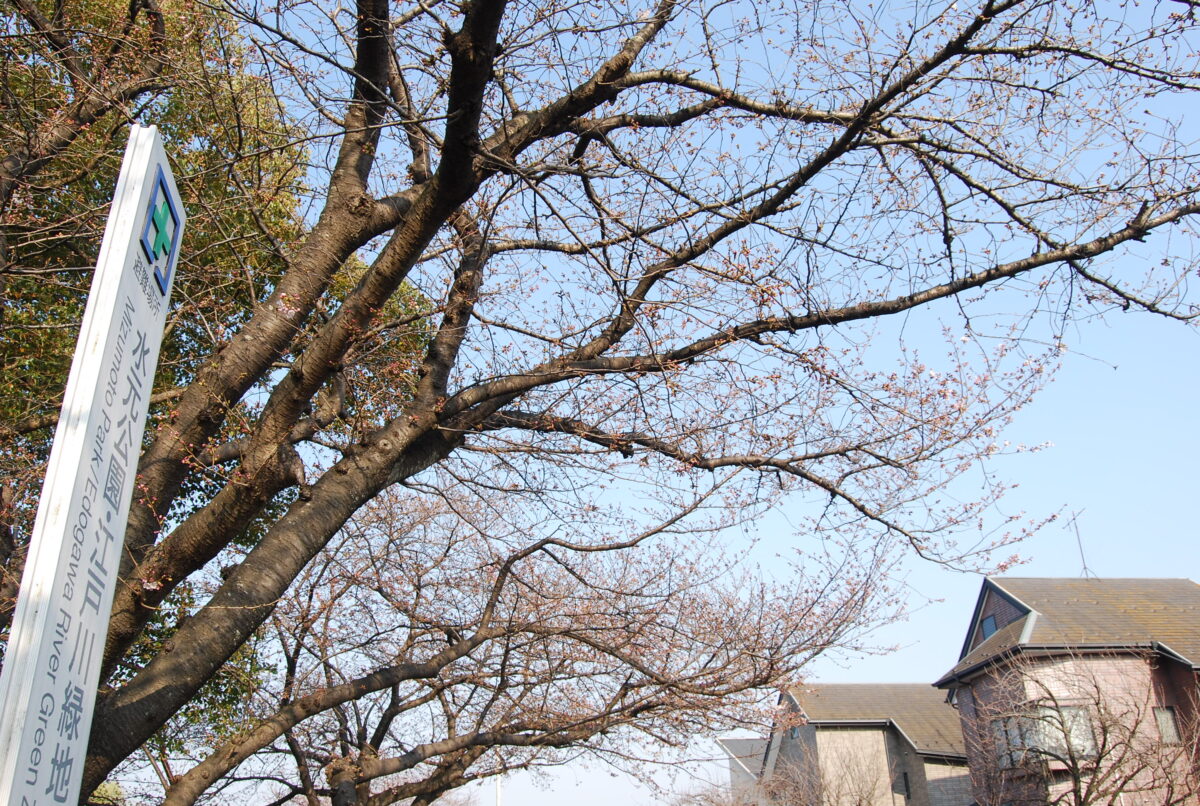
x=947, y=784
x=862, y=766
x=991, y=783
x=1118, y=694
x=855, y=768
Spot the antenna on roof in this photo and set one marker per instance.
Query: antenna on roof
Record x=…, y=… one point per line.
x=1084, y=571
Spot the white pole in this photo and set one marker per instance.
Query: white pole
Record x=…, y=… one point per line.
x=52, y=662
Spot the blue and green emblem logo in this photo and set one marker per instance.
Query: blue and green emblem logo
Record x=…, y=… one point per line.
x=161, y=231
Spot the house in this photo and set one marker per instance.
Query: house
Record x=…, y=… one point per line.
x=745, y=767
x=1080, y=691
x=864, y=745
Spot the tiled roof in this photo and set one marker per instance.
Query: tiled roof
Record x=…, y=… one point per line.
x=1155, y=614
x=917, y=709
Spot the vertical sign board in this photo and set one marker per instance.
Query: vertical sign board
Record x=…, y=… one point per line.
x=52, y=663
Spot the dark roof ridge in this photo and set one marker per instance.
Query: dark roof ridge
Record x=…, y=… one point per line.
x=1096, y=579
x=815, y=684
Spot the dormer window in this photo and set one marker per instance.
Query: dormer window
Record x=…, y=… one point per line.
x=987, y=627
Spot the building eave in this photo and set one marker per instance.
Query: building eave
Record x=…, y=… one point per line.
x=886, y=723
x=951, y=678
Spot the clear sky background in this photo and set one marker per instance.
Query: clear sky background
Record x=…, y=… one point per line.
x=1122, y=420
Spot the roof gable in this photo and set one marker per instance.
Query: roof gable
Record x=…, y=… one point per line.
x=996, y=603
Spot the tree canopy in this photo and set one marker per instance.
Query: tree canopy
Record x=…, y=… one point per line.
x=498, y=311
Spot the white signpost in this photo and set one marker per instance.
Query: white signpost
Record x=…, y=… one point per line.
x=52, y=663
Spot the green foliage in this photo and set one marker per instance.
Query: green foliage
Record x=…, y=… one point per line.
x=380, y=379
x=239, y=172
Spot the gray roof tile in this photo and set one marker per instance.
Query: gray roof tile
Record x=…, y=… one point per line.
x=1081, y=614
x=917, y=709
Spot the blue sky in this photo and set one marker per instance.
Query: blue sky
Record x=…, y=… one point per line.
x=1124, y=438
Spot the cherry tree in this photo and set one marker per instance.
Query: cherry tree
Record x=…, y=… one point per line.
x=415, y=666
x=613, y=276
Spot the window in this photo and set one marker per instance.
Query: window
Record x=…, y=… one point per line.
x=987, y=627
x=1061, y=733
x=1168, y=728
x=1009, y=741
